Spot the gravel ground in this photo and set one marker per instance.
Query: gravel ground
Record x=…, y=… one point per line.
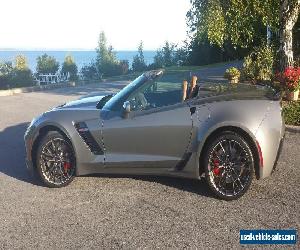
x=125, y=211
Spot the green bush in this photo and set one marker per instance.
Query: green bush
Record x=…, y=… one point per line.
x=69, y=66
x=258, y=66
x=15, y=75
x=21, y=75
x=5, y=81
x=291, y=113
x=232, y=73
x=89, y=72
x=123, y=67
x=6, y=71
x=21, y=78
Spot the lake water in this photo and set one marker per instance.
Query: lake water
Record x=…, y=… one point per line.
x=81, y=57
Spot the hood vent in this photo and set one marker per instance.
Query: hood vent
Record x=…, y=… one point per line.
x=87, y=137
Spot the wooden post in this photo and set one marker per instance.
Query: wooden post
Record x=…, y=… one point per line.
x=193, y=85
x=184, y=90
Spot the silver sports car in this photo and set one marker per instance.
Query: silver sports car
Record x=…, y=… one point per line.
x=160, y=125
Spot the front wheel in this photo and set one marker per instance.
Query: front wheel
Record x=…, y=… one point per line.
x=229, y=165
x=55, y=160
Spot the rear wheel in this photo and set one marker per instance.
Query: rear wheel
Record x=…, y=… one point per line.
x=229, y=165
x=55, y=160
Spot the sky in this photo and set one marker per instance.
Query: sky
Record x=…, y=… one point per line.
x=76, y=24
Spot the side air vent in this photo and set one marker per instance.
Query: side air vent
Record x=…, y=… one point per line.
x=87, y=137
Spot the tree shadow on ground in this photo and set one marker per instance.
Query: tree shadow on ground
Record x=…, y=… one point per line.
x=12, y=153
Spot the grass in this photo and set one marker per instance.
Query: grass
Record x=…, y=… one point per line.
x=291, y=113
x=193, y=68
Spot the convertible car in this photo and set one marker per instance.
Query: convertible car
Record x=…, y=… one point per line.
x=160, y=125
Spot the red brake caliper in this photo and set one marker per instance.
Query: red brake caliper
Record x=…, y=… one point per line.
x=216, y=169
x=67, y=166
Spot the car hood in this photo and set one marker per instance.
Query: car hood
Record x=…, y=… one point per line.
x=85, y=102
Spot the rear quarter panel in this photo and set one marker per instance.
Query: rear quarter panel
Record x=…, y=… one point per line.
x=244, y=114
x=269, y=135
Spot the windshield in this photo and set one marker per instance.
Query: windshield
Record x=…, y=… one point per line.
x=116, y=102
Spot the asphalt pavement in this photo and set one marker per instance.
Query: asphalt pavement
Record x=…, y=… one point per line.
x=129, y=212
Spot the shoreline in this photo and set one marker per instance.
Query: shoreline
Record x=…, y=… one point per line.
x=82, y=57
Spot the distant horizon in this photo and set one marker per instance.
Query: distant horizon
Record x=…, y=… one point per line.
x=81, y=57
x=66, y=49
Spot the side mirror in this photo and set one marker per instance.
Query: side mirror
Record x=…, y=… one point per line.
x=127, y=108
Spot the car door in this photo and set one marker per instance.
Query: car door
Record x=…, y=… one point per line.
x=153, y=138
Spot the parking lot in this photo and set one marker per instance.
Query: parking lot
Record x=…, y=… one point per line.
x=126, y=211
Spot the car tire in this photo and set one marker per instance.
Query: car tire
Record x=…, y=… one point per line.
x=229, y=165
x=55, y=160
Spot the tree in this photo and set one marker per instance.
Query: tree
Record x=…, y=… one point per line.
x=106, y=61
x=124, y=67
x=6, y=72
x=182, y=54
x=244, y=23
x=69, y=66
x=17, y=74
x=90, y=72
x=138, y=63
x=6, y=68
x=289, y=11
x=203, y=53
x=168, y=51
x=296, y=40
x=158, y=59
x=21, y=62
x=102, y=50
x=165, y=56
x=22, y=75
x=47, y=64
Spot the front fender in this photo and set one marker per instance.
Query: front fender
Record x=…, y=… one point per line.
x=34, y=131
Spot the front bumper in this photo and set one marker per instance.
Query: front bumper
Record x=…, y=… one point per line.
x=29, y=139
x=29, y=165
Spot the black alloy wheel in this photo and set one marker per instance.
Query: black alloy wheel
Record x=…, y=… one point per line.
x=55, y=160
x=229, y=165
